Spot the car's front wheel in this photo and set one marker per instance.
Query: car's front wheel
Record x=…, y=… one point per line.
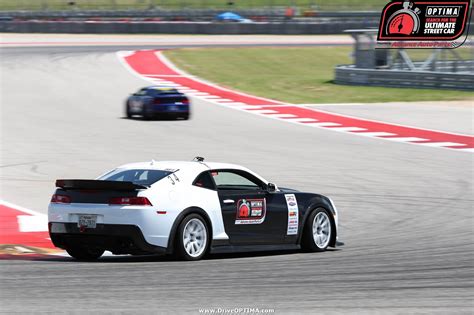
x=317, y=232
x=193, y=238
x=84, y=253
x=128, y=112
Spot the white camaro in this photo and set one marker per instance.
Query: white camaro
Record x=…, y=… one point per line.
x=186, y=208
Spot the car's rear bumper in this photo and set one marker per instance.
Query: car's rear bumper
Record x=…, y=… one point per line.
x=169, y=108
x=117, y=238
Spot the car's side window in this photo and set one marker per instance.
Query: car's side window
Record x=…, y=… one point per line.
x=141, y=92
x=204, y=180
x=236, y=180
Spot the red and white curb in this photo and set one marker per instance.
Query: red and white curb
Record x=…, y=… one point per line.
x=24, y=232
x=154, y=67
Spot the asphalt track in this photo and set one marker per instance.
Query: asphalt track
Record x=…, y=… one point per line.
x=406, y=211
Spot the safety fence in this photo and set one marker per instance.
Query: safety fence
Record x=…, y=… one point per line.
x=113, y=27
x=304, y=7
x=350, y=75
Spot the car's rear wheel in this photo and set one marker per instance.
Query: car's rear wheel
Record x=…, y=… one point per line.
x=84, y=253
x=317, y=232
x=193, y=238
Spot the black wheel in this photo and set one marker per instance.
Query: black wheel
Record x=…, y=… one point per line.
x=127, y=111
x=192, y=238
x=84, y=253
x=317, y=232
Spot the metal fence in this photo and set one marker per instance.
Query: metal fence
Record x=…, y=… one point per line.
x=175, y=28
x=410, y=68
x=302, y=7
x=350, y=75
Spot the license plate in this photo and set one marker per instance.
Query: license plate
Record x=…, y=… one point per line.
x=87, y=221
x=172, y=107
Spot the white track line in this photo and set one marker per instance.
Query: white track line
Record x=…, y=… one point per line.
x=236, y=104
x=247, y=107
x=406, y=139
x=375, y=134
x=200, y=94
x=33, y=223
x=323, y=124
x=19, y=208
x=212, y=97
x=282, y=115
x=300, y=119
x=348, y=129
x=442, y=144
x=262, y=111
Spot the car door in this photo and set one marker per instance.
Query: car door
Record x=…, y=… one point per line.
x=137, y=101
x=251, y=214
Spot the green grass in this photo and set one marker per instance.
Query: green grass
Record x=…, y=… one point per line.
x=302, y=5
x=295, y=75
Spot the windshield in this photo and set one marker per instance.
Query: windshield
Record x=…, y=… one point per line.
x=139, y=177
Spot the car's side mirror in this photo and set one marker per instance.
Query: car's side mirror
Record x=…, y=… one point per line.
x=271, y=187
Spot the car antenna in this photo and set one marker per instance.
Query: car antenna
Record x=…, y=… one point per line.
x=198, y=159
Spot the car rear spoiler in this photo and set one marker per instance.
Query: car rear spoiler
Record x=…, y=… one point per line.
x=88, y=184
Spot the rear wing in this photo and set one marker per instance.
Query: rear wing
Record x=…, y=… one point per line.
x=88, y=184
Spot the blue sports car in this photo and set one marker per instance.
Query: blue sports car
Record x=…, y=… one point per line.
x=156, y=101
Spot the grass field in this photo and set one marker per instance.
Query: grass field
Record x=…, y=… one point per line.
x=180, y=4
x=295, y=75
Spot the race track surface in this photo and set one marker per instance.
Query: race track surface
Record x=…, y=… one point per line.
x=406, y=210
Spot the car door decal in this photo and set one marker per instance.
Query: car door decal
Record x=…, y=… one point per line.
x=292, y=205
x=250, y=211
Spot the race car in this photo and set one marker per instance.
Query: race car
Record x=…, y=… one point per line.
x=158, y=102
x=189, y=209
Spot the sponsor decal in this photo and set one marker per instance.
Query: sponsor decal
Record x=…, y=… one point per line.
x=250, y=211
x=424, y=24
x=292, y=205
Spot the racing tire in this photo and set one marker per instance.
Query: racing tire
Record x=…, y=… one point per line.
x=318, y=231
x=84, y=253
x=127, y=111
x=193, y=238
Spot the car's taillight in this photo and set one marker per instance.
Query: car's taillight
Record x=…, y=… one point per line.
x=157, y=101
x=185, y=101
x=60, y=199
x=130, y=201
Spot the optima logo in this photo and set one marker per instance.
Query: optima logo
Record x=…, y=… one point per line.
x=443, y=11
x=438, y=21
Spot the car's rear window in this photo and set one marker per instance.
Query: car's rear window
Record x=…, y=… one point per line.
x=139, y=177
x=156, y=92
